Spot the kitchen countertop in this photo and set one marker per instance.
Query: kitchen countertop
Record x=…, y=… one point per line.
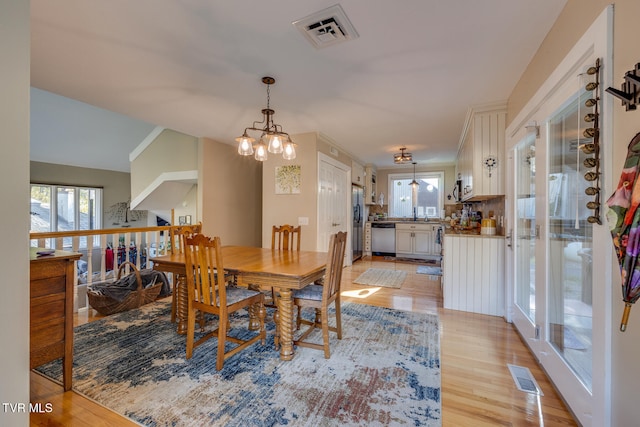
x=464, y=233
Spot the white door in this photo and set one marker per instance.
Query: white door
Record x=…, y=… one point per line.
x=558, y=261
x=334, y=192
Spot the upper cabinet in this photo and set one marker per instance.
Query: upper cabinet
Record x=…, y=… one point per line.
x=370, y=185
x=357, y=173
x=480, y=163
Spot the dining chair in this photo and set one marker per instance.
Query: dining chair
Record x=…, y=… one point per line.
x=208, y=293
x=287, y=238
x=320, y=297
x=176, y=245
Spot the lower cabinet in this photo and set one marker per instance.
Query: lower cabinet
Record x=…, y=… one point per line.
x=473, y=274
x=417, y=240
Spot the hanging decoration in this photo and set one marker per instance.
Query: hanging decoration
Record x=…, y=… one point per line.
x=592, y=146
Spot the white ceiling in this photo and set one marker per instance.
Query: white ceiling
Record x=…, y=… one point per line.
x=195, y=66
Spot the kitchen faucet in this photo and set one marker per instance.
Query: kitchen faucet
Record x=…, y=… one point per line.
x=415, y=214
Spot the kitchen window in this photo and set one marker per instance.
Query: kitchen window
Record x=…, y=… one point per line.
x=425, y=200
x=65, y=208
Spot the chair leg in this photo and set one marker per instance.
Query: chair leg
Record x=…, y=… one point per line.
x=338, y=319
x=222, y=335
x=325, y=331
x=191, y=327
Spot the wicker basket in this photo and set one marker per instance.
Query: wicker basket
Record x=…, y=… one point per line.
x=106, y=305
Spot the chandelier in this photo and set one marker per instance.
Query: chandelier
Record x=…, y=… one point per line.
x=272, y=140
x=402, y=157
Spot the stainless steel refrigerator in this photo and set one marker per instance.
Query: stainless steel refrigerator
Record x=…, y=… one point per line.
x=357, y=229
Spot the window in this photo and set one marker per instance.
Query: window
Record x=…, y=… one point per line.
x=65, y=208
x=424, y=200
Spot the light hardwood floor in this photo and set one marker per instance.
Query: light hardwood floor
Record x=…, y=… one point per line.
x=477, y=388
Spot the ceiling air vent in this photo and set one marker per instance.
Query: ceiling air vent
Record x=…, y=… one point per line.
x=327, y=27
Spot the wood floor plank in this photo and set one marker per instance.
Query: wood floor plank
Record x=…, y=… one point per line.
x=477, y=388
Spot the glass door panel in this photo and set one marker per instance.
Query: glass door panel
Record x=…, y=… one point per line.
x=525, y=226
x=569, y=242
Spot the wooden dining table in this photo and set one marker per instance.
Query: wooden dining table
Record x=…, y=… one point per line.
x=256, y=267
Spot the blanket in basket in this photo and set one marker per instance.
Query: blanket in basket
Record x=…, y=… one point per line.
x=122, y=287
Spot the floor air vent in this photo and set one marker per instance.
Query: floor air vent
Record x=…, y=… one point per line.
x=327, y=27
x=524, y=380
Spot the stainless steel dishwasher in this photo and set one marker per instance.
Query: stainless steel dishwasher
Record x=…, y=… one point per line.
x=383, y=238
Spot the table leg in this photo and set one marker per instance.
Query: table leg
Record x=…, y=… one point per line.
x=285, y=317
x=182, y=303
x=254, y=323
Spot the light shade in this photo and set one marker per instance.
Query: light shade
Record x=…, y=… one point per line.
x=275, y=143
x=289, y=150
x=245, y=145
x=261, y=152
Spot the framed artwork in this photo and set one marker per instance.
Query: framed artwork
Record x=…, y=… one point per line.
x=288, y=179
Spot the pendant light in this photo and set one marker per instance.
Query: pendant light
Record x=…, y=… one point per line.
x=273, y=139
x=414, y=183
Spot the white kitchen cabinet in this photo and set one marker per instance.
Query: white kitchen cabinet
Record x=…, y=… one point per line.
x=417, y=240
x=357, y=173
x=473, y=274
x=370, y=185
x=481, y=159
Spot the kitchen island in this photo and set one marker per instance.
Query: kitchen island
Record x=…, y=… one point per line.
x=473, y=273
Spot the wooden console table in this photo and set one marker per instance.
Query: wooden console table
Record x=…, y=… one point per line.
x=51, y=310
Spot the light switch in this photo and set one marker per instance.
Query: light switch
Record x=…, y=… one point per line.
x=303, y=220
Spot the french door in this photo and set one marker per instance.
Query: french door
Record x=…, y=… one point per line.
x=334, y=198
x=557, y=273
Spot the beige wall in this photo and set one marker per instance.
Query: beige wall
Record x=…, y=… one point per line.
x=575, y=19
x=229, y=194
x=154, y=160
x=14, y=183
x=281, y=209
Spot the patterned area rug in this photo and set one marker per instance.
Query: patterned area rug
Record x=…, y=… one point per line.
x=382, y=277
x=385, y=371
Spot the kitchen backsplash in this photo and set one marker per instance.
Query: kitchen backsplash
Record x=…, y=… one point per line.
x=486, y=207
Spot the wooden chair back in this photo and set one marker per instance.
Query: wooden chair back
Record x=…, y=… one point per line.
x=177, y=234
x=203, y=260
x=285, y=237
x=335, y=264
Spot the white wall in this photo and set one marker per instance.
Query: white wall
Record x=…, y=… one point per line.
x=14, y=185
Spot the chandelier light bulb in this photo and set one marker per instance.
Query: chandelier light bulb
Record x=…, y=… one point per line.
x=289, y=151
x=261, y=152
x=245, y=146
x=275, y=144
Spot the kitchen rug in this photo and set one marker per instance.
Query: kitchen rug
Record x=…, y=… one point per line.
x=384, y=371
x=427, y=269
x=382, y=277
